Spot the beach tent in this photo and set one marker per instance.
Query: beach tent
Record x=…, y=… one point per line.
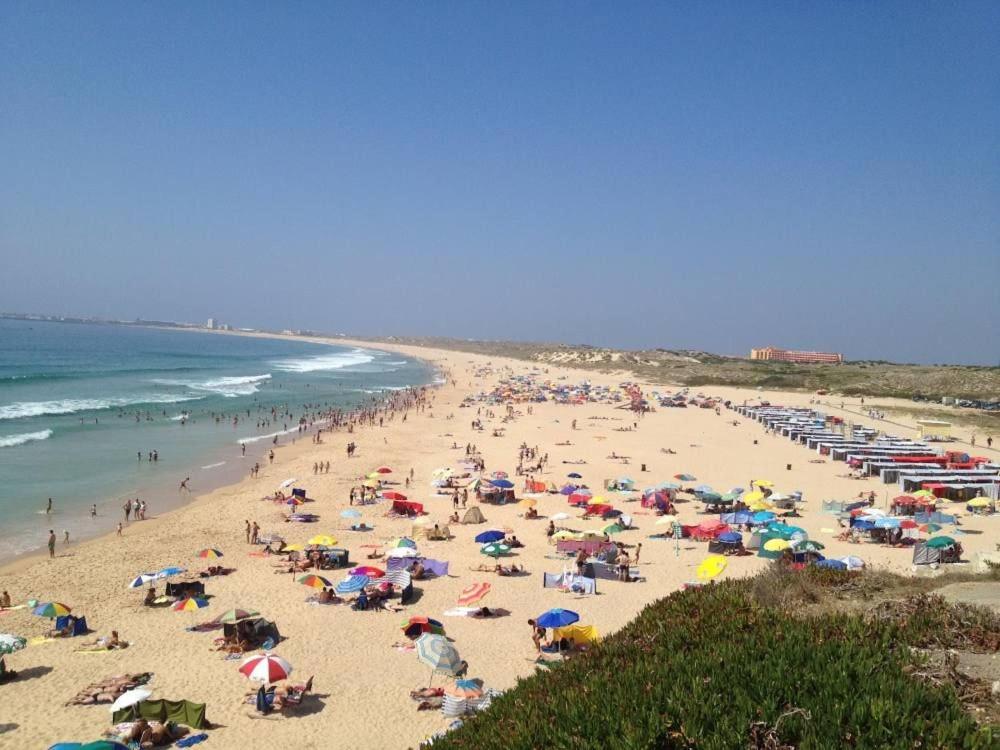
x=254, y=631
x=473, y=515
x=924, y=555
x=181, y=712
x=578, y=634
x=430, y=531
x=407, y=507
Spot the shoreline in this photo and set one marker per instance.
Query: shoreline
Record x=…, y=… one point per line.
x=17, y=562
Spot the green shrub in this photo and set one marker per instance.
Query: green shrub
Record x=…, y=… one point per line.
x=701, y=668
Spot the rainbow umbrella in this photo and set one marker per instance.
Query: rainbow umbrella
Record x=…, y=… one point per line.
x=931, y=528
x=293, y=500
x=403, y=541
x=473, y=593
x=51, y=609
x=265, y=668
x=190, y=604
x=417, y=626
x=314, y=581
x=210, y=553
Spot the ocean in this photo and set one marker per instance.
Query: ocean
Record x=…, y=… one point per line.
x=78, y=402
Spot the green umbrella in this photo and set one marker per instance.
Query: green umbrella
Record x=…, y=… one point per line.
x=11, y=643
x=495, y=549
x=807, y=545
x=940, y=541
x=612, y=528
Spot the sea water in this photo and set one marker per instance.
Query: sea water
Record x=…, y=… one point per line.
x=82, y=406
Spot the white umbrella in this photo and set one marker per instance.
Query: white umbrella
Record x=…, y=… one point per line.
x=560, y=516
x=402, y=552
x=141, y=580
x=288, y=483
x=130, y=698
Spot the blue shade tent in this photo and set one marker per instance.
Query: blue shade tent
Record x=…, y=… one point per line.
x=489, y=536
x=557, y=618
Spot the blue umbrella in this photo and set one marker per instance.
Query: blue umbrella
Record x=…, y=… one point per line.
x=703, y=488
x=568, y=489
x=141, y=580
x=764, y=516
x=886, y=523
x=557, y=618
x=353, y=583
x=167, y=572
x=731, y=537
x=574, y=475
x=489, y=536
x=502, y=484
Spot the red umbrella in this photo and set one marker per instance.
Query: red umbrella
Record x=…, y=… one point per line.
x=367, y=570
x=384, y=470
x=908, y=523
x=266, y=668
x=472, y=594
x=393, y=495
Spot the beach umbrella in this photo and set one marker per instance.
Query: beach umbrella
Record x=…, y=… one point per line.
x=731, y=537
x=367, y=570
x=294, y=548
x=931, y=528
x=402, y=552
x=559, y=516
x=393, y=495
x=564, y=534
x=171, y=571
x=504, y=484
x=711, y=567
x=436, y=652
x=383, y=470
x=908, y=523
x=350, y=514
x=493, y=535
x=235, y=615
x=762, y=517
x=703, y=488
x=886, y=523
x=711, y=497
x=465, y=689
x=612, y=528
x=557, y=618
x=736, y=491
x=665, y=520
x=495, y=549
x=980, y=502
x=189, y=604
x=739, y=517
x=528, y=502
x=753, y=497
x=403, y=541
x=763, y=482
x=293, y=500
x=685, y=477
x=370, y=483
x=925, y=493
x=352, y=584
x=806, y=545
x=776, y=545
x=130, y=698
x=11, y=643
x=568, y=489
x=473, y=593
x=940, y=541
x=323, y=540
x=141, y=580
x=51, y=609
x=210, y=554
x=314, y=581
x=597, y=500
x=668, y=486
x=416, y=626
x=265, y=668
x=574, y=475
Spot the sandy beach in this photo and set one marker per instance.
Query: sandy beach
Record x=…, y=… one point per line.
x=362, y=683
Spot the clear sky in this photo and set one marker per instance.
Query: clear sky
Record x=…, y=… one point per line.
x=676, y=174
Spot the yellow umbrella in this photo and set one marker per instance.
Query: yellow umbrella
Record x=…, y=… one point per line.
x=759, y=506
x=564, y=534
x=776, y=545
x=980, y=502
x=664, y=520
x=324, y=540
x=923, y=493
x=529, y=502
x=295, y=548
x=370, y=483
x=763, y=483
x=753, y=497
x=597, y=500
x=711, y=567
x=374, y=475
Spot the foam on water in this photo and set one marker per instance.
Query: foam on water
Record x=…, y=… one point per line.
x=269, y=436
x=24, y=409
x=230, y=387
x=324, y=362
x=9, y=441
x=214, y=466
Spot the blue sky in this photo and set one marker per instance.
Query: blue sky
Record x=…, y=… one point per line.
x=684, y=175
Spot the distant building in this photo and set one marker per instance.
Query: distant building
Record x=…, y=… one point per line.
x=210, y=325
x=787, y=355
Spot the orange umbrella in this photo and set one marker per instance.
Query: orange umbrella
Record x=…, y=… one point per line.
x=473, y=593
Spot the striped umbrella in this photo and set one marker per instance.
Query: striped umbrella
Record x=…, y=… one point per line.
x=265, y=668
x=235, y=615
x=436, y=652
x=141, y=580
x=402, y=552
x=51, y=609
x=314, y=581
x=190, y=604
x=353, y=583
x=11, y=643
x=403, y=541
x=398, y=578
x=210, y=553
x=473, y=593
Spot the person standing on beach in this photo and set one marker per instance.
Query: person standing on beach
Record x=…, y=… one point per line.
x=52, y=543
x=48, y=508
x=127, y=507
x=243, y=449
x=248, y=530
x=119, y=528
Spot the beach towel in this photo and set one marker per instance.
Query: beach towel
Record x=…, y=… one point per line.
x=193, y=739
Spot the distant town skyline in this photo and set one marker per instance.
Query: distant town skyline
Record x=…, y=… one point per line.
x=717, y=176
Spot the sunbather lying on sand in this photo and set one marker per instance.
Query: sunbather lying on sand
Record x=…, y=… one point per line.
x=108, y=643
x=215, y=570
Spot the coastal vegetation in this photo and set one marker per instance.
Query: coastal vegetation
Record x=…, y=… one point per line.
x=815, y=659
